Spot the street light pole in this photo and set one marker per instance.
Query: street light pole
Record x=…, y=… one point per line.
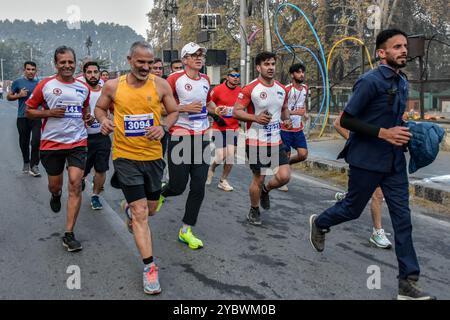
x=170, y=11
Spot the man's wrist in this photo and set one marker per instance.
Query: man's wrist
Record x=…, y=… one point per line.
x=165, y=128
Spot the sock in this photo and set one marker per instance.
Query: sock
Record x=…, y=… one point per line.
x=264, y=189
x=95, y=195
x=185, y=228
x=57, y=194
x=68, y=232
x=255, y=208
x=148, y=261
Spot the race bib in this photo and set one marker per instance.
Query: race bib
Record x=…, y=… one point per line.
x=136, y=125
x=228, y=112
x=272, y=129
x=199, y=116
x=73, y=109
x=95, y=125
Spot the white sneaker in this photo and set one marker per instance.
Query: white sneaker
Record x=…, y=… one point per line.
x=284, y=188
x=380, y=240
x=225, y=186
x=210, y=177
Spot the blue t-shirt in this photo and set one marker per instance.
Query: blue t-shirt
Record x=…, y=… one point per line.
x=18, y=85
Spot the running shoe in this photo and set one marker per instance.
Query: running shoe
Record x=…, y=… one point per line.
x=161, y=202
x=409, y=290
x=70, y=243
x=339, y=196
x=126, y=209
x=225, y=186
x=95, y=203
x=316, y=235
x=55, y=203
x=188, y=238
x=379, y=239
x=151, y=280
x=34, y=171
x=254, y=217
x=26, y=168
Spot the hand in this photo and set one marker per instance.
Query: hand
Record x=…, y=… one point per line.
x=195, y=107
x=155, y=133
x=58, y=112
x=88, y=119
x=107, y=126
x=288, y=124
x=398, y=136
x=23, y=93
x=263, y=118
x=221, y=110
x=302, y=112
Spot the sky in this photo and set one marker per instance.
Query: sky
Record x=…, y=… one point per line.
x=129, y=12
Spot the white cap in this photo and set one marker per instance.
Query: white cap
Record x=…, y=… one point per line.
x=191, y=48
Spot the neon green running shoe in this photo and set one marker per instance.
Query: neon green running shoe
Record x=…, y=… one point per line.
x=188, y=238
x=162, y=200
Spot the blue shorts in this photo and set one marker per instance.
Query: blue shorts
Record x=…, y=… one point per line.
x=293, y=140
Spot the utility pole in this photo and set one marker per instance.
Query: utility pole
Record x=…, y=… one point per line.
x=3, y=83
x=267, y=35
x=244, y=66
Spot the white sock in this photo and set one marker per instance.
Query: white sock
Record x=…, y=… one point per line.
x=185, y=228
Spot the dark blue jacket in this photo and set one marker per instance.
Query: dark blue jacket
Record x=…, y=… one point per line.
x=424, y=144
x=379, y=98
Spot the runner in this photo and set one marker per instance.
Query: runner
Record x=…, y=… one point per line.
x=225, y=127
x=189, y=142
x=375, y=152
x=176, y=65
x=158, y=68
x=137, y=151
x=21, y=90
x=266, y=102
x=65, y=102
x=99, y=146
x=104, y=76
x=378, y=237
x=297, y=104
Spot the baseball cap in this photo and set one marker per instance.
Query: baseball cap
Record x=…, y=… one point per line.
x=191, y=48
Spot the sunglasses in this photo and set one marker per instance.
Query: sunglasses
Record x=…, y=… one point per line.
x=234, y=75
x=158, y=68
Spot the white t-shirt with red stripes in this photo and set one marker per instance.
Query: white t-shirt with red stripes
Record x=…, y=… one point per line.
x=95, y=128
x=68, y=132
x=258, y=97
x=186, y=91
x=296, y=100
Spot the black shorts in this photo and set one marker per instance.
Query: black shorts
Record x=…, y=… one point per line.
x=266, y=157
x=222, y=139
x=55, y=160
x=99, y=152
x=140, y=179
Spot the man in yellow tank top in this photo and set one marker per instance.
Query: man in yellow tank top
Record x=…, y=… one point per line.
x=137, y=150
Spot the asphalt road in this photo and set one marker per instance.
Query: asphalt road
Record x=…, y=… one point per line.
x=239, y=261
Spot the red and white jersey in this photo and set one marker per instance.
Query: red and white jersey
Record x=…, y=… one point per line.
x=223, y=96
x=187, y=91
x=68, y=132
x=95, y=128
x=296, y=100
x=258, y=98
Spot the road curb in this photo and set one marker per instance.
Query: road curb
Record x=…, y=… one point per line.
x=424, y=189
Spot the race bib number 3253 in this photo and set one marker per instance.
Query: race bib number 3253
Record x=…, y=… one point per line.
x=136, y=125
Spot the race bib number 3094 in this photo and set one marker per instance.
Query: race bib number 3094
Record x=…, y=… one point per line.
x=136, y=125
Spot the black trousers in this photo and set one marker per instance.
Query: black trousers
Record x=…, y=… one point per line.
x=29, y=129
x=188, y=157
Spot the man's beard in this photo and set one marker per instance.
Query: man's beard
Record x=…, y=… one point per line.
x=93, y=83
x=299, y=81
x=393, y=63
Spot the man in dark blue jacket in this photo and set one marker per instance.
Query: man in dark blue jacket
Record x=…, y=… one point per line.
x=375, y=153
